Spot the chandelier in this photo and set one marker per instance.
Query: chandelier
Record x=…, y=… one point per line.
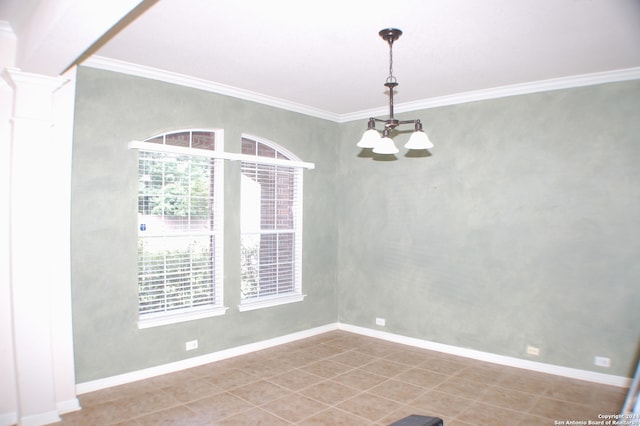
x=371, y=137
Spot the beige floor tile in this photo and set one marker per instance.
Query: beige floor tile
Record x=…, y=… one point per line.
x=339, y=378
x=563, y=410
x=295, y=379
x=405, y=411
x=191, y=390
x=260, y=392
x=369, y=406
x=101, y=414
x=422, y=377
x=398, y=391
x=385, y=367
x=509, y=398
x=359, y=379
x=531, y=420
x=175, y=416
x=478, y=413
x=172, y=378
x=353, y=359
x=483, y=373
x=440, y=404
x=464, y=388
x=443, y=365
x=149, y=401
x=230, y=378
x=294, y=407
x=334, y=417
x=351, y=342
x=253, y=417
x=326, y=368
x=220, y=406
x=329, y=392
x=525, y=381
x=377, y=349
x=409, y=356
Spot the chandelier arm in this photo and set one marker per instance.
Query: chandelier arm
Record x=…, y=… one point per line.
x=408, y=121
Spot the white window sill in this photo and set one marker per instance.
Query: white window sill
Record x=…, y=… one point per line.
x=165, y=319
x=266, y=302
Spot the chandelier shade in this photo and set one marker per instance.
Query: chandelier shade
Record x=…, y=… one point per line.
x=385, y=146
x=371, y=138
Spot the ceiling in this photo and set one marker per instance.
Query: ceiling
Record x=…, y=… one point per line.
x=327, y=54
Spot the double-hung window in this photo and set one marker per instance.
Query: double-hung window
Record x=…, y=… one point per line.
x=180, y=199
x=271, y=225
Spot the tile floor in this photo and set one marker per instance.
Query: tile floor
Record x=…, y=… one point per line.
x=339, y=378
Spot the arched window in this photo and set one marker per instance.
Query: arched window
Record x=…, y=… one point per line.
x=271, y=225
x=180, y=196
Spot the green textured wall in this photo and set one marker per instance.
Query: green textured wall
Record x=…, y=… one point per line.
x=113, y=109
x=522, y=227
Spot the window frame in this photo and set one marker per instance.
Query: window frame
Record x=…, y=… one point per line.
x=297, y=166
x=217, y=307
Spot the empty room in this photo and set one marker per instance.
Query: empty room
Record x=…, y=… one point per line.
x=320, y=213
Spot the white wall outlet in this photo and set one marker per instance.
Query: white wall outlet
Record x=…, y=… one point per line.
x=381, y=321
x=532, y=350
x=602, y=361
x=191, y=345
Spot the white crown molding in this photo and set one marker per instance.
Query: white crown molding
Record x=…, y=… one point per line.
x=478, y=95
x=501, y=92
x=574, y=373
x=108, y=64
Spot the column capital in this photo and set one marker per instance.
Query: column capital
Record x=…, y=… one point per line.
x=32, y=98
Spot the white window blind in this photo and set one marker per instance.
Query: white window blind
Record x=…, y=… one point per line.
x=271, y=225
x=180, y=227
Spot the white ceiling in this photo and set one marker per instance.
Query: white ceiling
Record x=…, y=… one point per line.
x=326, y=54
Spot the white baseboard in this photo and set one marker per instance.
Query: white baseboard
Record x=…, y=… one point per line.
x=40, y=419
x=8, y=419
x=68, y=406
x=147, y=373
x=574, y=373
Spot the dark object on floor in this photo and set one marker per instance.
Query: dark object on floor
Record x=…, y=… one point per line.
x=414, y=420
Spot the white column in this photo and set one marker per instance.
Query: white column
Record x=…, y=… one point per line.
x=39, y=246
x=8, y=398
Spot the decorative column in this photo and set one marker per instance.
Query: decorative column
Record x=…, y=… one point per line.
x=39, y=246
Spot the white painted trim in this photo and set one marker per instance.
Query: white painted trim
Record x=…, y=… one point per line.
x=107, y=382
x=501, y=92
x=574, y=373
x=162, y=318
x=133, y=376
x=108, y=64
x=477, y=95
x=8, y=419
x=69, y=406
x=171, y=149
x=40, y=419
x=267, y=302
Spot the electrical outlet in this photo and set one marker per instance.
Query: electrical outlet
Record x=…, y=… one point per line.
x=532, y=350
x=602, y=361
x=381, y=321
x=191, y=345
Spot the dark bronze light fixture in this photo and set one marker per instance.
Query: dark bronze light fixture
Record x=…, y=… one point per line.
x=371, y=138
